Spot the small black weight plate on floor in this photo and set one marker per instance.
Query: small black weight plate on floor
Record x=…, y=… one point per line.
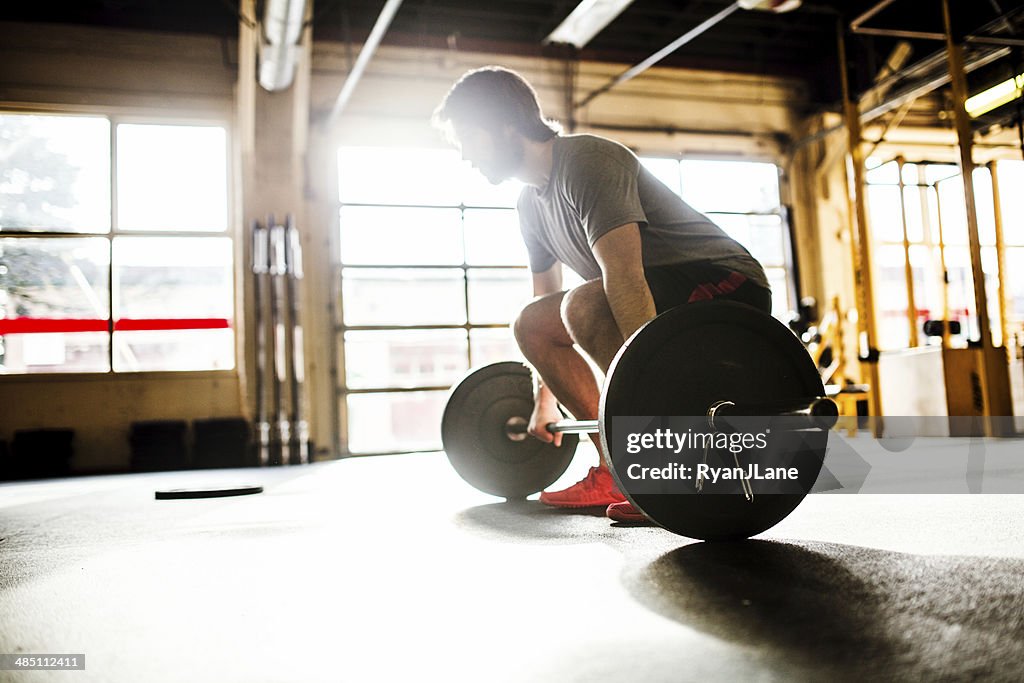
x=474, y=438
x=208, y=492
x=681, y=363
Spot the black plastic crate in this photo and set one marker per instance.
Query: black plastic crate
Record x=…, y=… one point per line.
x=159, y=445
x=41, y=453
x=223, y=442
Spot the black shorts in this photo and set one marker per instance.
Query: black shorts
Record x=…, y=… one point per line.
x=682, y=283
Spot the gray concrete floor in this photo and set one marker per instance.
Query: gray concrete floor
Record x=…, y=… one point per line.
x=392, y=569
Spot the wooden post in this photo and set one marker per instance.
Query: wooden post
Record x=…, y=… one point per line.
x=945, y=270
x=867, y=326
x=272, y=144
x=907, y=267
x=965, y=137
x=1004, y=325
x=988, y=370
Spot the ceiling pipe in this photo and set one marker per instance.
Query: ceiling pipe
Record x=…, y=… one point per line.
x=588, y=19
x=280, y=32
x=776, y=6
x=930, y=73
x=928, y=84
x=857, y=26
x=660, y=54
x=365, y=55
x=856, y=23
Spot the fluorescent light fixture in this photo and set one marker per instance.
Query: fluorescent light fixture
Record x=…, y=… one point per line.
x=996, y=96
x=586, y=21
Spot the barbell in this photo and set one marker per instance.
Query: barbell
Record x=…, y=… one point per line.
x=703, y=369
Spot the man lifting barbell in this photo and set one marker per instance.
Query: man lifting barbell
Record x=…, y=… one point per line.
x=591, y=205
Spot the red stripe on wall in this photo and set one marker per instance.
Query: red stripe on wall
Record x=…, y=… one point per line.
x=51, y=325
x=40, y=325
x=126, y=324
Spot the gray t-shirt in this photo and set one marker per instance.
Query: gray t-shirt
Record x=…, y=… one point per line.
x=597, y=185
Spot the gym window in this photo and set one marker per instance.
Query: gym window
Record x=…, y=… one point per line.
x=114, y=252
x=433, y=271
x=742, y=198
x=936, y=236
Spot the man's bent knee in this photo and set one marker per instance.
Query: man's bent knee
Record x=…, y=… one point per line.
x=540, y=322
x=586, y=313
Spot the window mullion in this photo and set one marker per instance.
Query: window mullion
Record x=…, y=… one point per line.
x=110, y=243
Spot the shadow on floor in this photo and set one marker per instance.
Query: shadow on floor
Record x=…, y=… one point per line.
x=846, y=611
x=533, y=522
x=806, y=609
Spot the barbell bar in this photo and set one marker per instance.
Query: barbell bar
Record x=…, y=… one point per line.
x=818, y=412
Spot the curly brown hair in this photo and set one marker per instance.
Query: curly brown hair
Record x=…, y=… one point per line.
x=491, y=98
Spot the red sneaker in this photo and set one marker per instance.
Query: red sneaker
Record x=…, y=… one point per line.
x=596, y=490
x=625, y=512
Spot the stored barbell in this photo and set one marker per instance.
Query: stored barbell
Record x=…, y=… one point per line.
x=719, y=367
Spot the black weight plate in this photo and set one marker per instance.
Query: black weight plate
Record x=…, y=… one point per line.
x=208, y=492
x=473, y=434
x=681, y=363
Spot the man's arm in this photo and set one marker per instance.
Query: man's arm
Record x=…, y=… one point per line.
x=548, y=282
x=618, y=252
x=545, y=404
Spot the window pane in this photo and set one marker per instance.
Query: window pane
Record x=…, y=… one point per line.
x=407, y=421
x=933, y=215
x=761, y=235
x=961, y=289
x=924, y=263
x=492, y=346
x=927, y=276
x=885, y=213
x=891, y=265
x=172, y=277
x=990, y=268
x=377, y=235
x=172, y=178
x=54, y=278
x=983, y=205
x=1015, y=284
x=55, y=174
x=493, y=238
x=391, y=175
x=665, y=170
x=953, y=211
x=173, y=303
x=910, y=174
x=915, y=220
x=54, y=308
x=497, y=296
x=893, y=330
x=1011, y=200
x=476, y=190
x=934, y=173
x=422, y=177
x=739, y=186
x=426, y=296
x=887, y=173
x=142, y=350
x=778, y=278
x=405, y=358
x=54, y=352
